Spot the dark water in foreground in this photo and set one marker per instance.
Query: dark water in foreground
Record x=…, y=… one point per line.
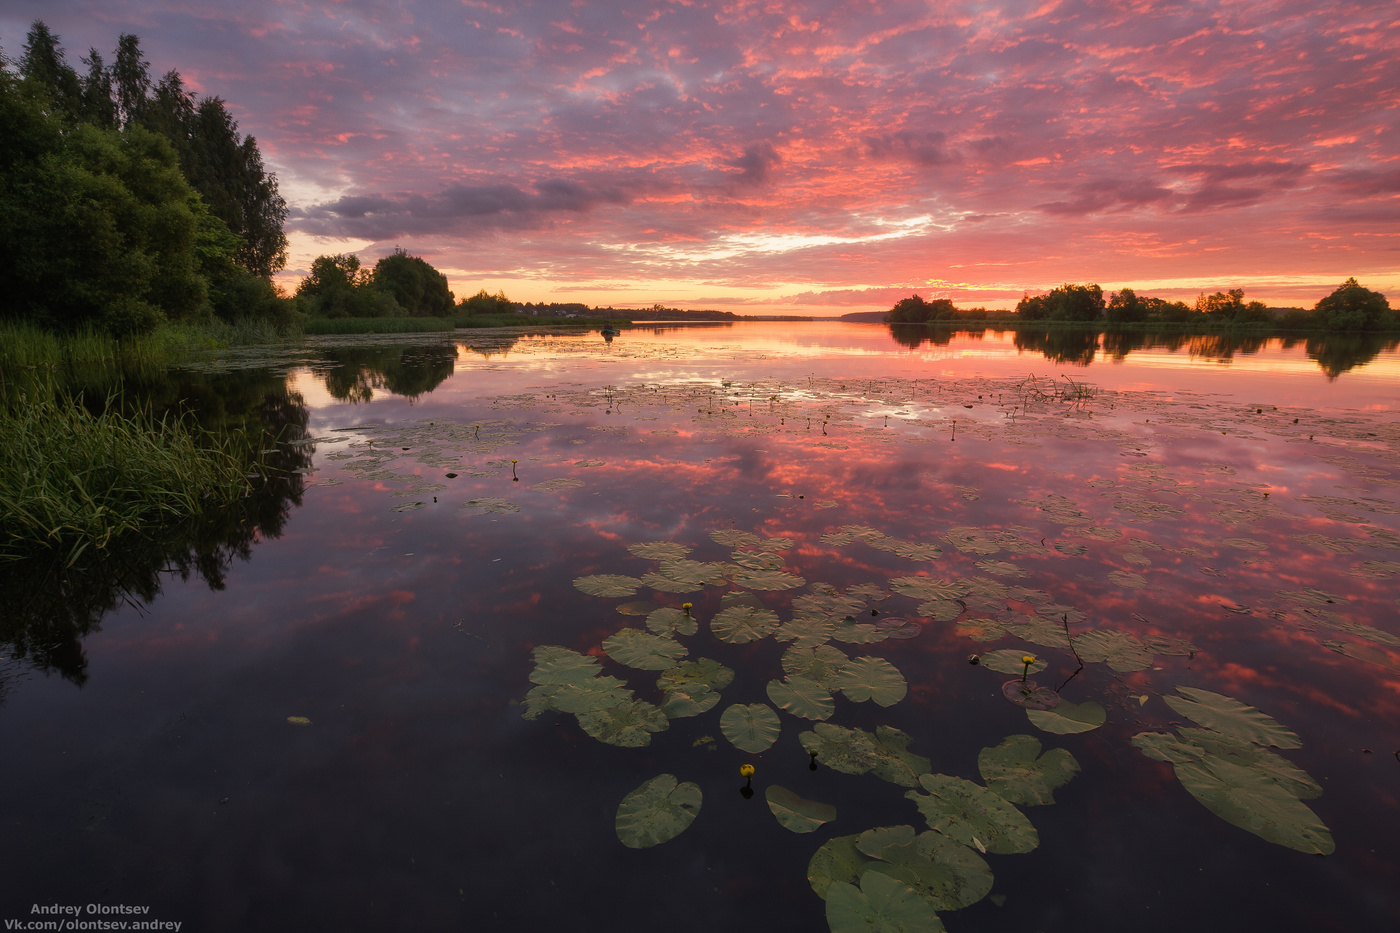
x=1250, y=508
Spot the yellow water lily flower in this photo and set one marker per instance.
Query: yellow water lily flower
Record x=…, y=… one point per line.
x=746, y=771
x=1027, y=659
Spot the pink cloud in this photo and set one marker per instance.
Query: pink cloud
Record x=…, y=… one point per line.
x=834, y=148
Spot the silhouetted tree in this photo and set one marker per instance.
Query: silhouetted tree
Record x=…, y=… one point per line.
x=419, y=289
x=1352, y=307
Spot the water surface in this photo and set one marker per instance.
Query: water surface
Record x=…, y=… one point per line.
x=1232, y=512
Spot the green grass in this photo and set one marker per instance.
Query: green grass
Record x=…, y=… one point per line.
x=377, y=325
x=71, y=480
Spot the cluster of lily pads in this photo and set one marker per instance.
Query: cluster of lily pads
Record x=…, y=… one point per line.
x=894, y=873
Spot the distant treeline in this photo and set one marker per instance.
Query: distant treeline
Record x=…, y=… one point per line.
x=1350, y=308
x=125, y=200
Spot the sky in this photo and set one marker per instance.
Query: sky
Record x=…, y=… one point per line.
x=817, y=157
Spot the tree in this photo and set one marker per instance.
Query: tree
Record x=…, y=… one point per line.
x=1124, y=307
x=1063, y=303
x=43, y=67
x=1222, y=305
x=338, y=287
x=915, y=310
x=131, y=77
x=419, y=289
x=1352, y=307
x=485, y=303
x=100, y=228
x=96, y=105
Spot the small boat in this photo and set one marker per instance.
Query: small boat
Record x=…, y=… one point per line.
x=610, y=331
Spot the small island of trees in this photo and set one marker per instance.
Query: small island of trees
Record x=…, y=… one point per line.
x=1350, y=308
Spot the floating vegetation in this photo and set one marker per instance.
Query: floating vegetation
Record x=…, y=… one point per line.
x=644, y=650
x=739, y=624
x=1068, y=718
x=1014, y=771
x=884, y=754
x=973, y=815
x=1230, y=716
x=657, y=812
x=795, y=813
x=876, y=679
x=692, y=687
x=802, y=697
x=1227, y=769
x=752, y=728
x=752, y=597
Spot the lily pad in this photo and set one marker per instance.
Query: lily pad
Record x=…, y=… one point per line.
x=949, y=875
x=794, y=812
x=880, y=905
x=855, y=751
x=1068, y=718
x=822, y=664
x=805, y=631
x=1224, y=714
x=1195, y=745
x=875, y=679
x=628, y=724
x=942, y=610
x=704, y=672
x=767, y=579
x=556, y=665
x=1127, y=580
x=973, y=815
x=659, y=550
x=1248, y=799
x=644, y=651
x=608, y=584
x=751, y=728
x=733, y=538
x=802, y=697
x=657, y=812
x=1123, y=652
x=1014, y=771
x=837, y=860
x=670, y=621
x=1030, y=695
x=739, y=625
x=858, y=633
x=757, y=560
x=575, y=698
x=1008, y=661
x=684, y=576
x=692, y=687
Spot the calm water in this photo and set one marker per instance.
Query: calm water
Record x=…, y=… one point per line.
x=1198, y=516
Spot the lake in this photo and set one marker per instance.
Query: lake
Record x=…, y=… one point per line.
x=443, y=675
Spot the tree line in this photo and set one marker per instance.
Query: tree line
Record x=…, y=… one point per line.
x=1349, y=308
x=126, y=200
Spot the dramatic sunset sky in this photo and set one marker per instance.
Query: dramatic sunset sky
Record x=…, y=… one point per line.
x=821, y=157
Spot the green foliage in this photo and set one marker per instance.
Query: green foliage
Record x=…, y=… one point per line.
x=1352, y=307
x=418, y=288
x=915, y=310
x=752, y=728
x=126, y=203
x=399, y=286
x=796, y=813
x=657, y=812
x=71, y=480
x=1063, y=303
x=101, y=229
x=484, y=303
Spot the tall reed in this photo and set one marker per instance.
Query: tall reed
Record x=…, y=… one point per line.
x=72, y=480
